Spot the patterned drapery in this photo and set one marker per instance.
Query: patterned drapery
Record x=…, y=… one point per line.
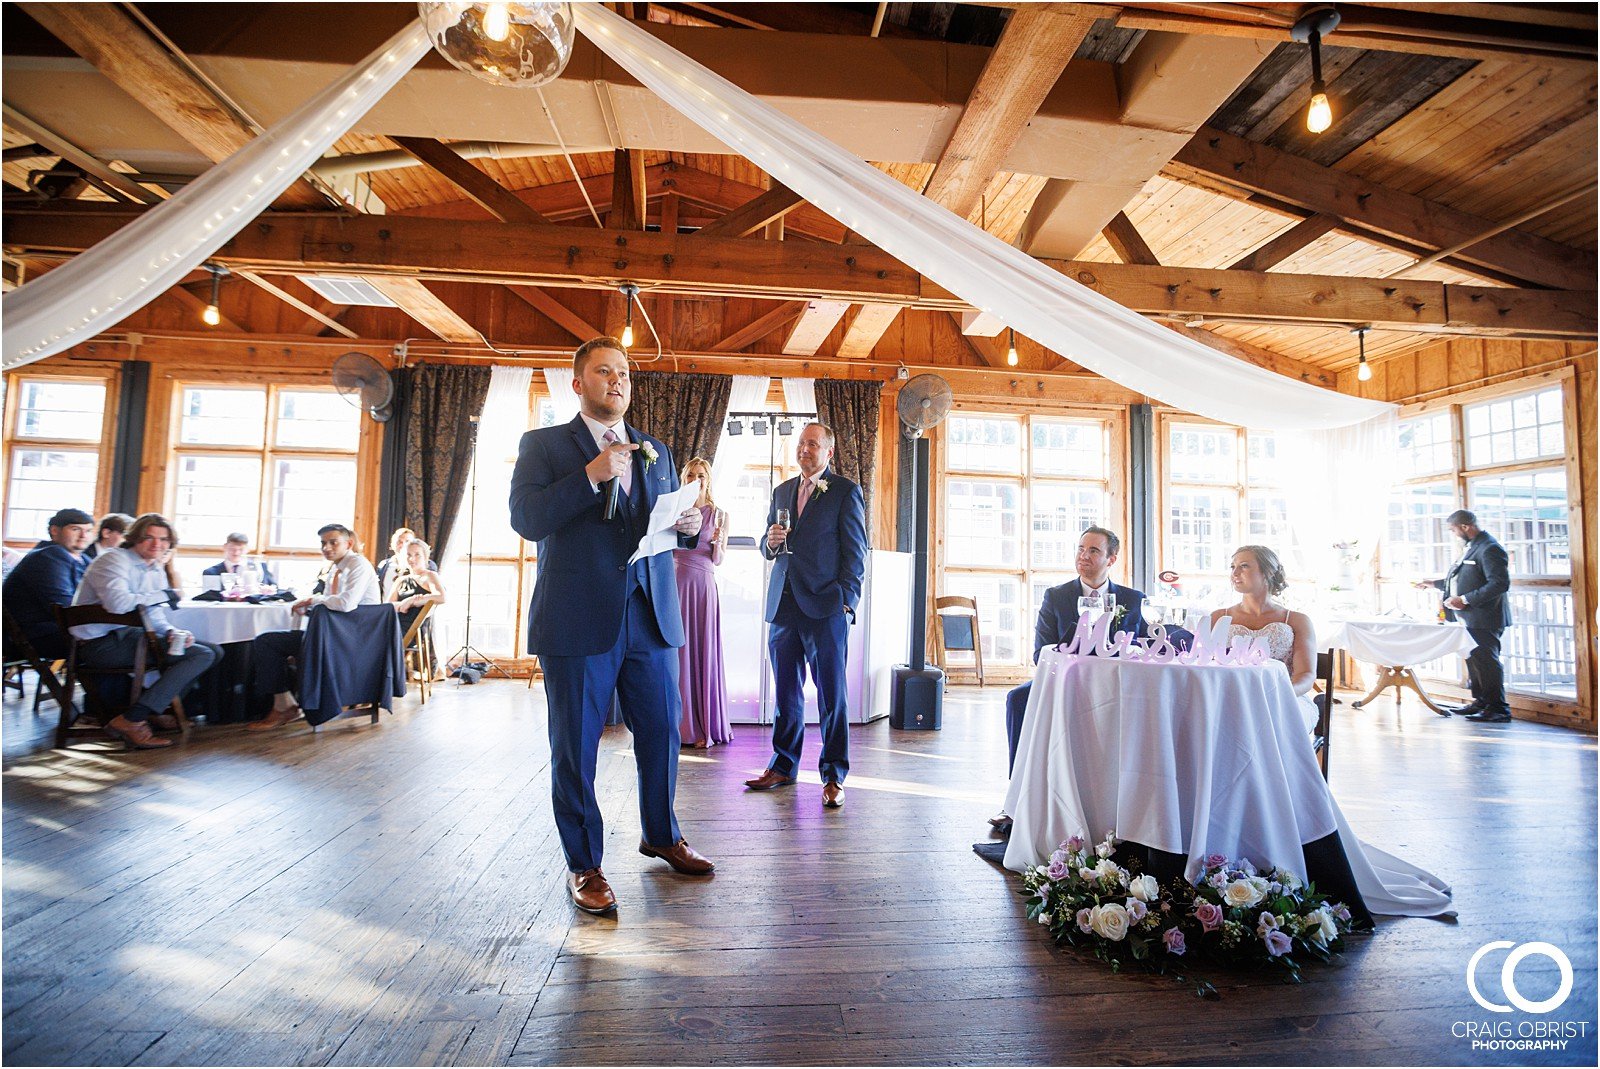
x=684, y=410
x=440, y=433
x=851, y=407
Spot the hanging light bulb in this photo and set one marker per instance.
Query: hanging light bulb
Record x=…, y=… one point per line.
x=212, y=316
x=497, y=21
x=1011, y=350
x=1363, y=369
x=630, y=293
x=1311, y=28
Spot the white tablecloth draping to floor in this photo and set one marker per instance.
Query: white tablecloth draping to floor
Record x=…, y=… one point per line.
x=1187, y=759
x=1380, y=640
x=223, y=622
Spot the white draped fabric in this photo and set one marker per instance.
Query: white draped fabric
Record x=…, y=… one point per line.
x=1398, y=642
x=558, y=380
x=749, y=394
x=799, y=395
x=95, y=291
x=1338, y=483
x=500, y=427
x=225, y=622
x=1190, y=760
x=1037, y=300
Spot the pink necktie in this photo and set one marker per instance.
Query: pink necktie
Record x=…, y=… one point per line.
x=805, y=495
x=627, y=475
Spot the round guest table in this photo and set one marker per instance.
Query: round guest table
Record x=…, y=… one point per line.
x=225, y=694
x=1393, y=644
x=223, y=622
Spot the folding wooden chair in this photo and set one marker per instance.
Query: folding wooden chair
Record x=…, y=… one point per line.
x=145, y=654
x=418, y=644
x=958, y=629
x=1319, y=738
x=21, y=656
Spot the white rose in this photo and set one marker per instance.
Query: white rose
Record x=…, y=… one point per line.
x=1240, y=893
x=1109, y=870
x=1103, y=850
x=1086, y=874
x=1144, y=888
x=1045, y=918
x=1327, y=928
x=1109, y=921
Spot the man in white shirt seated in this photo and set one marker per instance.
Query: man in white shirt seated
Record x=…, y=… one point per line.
x=134, y=577
x=348, y=581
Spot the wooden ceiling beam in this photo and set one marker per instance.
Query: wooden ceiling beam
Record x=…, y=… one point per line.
x=482, y=190
x=493, y=252
x=122, y=184
x=422, y=304
x=753, y=215
x=629, y=192
x=556, y=312
x=870, y=323
x=816, y=322
x=121, y=49
x=316, y=315
x=1298, y=237
x=763, y=325
x=1126, y=241
x=1255, y=354
x=1219, y=157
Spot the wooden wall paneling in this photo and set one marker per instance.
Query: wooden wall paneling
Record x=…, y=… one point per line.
x=1585, y=565
x=369, y=458
x=1502, y=355
x=1402, y=374
x=1464, y=361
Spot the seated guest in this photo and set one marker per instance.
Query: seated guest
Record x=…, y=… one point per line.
x=46, y=577
x=134, y=577
x=415, y=586
x=1058, y=622
x=236, y=558
x=395, y=563
x=1258, y=576
x=346, y=582
x=110, y=533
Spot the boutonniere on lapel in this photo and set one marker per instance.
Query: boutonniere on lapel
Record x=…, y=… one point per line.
x=1116, y=616
x=648, y=451
x=822, y=486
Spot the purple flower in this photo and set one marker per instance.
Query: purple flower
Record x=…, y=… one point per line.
x=1341, y=911
x=1058, y=858
x=1057, y=870
x=1136, y=910
x=1209, y=914
x=1083, y=921
x=1215, y=861
x=1174, y=940
x=1278, y=944
x=1074, y=843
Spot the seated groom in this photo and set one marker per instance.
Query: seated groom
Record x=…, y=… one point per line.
x=348, y=581
x=1058, y=622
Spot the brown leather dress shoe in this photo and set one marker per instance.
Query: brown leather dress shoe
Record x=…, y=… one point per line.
x=1001, y=823
x=832, y=795
x=590, y=892
x=768, y=780
x=681, y=856
x=136, y=734
x=162, y=722
x=276, y=719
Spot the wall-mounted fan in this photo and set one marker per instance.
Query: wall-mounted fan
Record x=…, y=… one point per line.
x=918, y=691
x=365, y=383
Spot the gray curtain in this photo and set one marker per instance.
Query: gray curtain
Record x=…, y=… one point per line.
x=686, y=411
x=440, y=432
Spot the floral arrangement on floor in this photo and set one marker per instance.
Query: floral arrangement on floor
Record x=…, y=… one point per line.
x=1236, y=916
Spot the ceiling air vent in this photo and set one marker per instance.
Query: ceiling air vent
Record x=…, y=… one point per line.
x=347, y=289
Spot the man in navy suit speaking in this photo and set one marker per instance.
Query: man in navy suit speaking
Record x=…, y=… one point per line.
x=812, y=597
x=600, y=625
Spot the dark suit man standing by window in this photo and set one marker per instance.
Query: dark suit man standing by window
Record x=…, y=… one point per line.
x=1474, y=592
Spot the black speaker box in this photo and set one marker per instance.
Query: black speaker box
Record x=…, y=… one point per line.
x=917, y=702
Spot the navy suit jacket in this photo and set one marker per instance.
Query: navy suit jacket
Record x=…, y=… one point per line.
x=583, y=576
x=221, y=567
x=825, y=571
x=1483, y=577
x=1058, y=614
x=43, y=578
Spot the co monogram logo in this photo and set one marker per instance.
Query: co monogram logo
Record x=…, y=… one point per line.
x=1508, y=976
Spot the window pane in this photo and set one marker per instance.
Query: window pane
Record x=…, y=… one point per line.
x=223, y=416
x=298, y=574
x=1042, y=581
x=1203, y=454
x=1424, y=445
x=983, y=521
x=1007, y=638
x=1268, y=523
x=317, y=419
x=1528, y=514
x=1515, y=429
x=495, y=605
x=1202, y=530
x=216, y=496
x=44, y=481
x=56, y=408
x=306, y=494
x=1265, y=463
x=985, y=443
x=1419, y=545
x=1540, y=651
x=1061, y=512
x=1075, y=447
x=492, y=535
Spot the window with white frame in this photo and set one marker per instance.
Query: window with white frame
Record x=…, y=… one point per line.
x=1513, y=475
x=54, y=451
x=1018, y=492
x=273, y=461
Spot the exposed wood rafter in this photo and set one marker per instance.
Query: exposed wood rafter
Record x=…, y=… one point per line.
x=814, y=326
x=746, y=219
x=629, y=191
x=765, y=324
x=484, y=191
x=315, y=314
x=1126, y=241
x=1298, y=237
x=423, y=305
x=556, y=312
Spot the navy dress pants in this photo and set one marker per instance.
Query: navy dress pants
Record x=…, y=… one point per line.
x=1485, y=675
x=1016, y=709
x=642, y=671
x=795, y=643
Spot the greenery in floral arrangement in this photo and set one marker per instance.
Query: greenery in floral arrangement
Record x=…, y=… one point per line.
x=1236, y=915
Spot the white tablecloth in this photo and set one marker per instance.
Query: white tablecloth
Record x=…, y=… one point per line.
x=1190, y=760
x=222, y=622
x=1398, y=642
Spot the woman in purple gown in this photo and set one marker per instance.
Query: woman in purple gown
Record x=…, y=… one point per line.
x=700, y=680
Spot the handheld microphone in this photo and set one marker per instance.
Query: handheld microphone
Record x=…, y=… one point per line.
x=613, y=491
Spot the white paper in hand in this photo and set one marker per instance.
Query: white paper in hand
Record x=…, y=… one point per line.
x=661, y=536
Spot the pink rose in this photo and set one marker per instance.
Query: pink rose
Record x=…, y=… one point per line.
x=1209, y=914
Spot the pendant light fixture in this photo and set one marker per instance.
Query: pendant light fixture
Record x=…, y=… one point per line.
x=1011, y=350
x=212, y=315
x=1363, y=369
x=630, y=293
x=1313, y=26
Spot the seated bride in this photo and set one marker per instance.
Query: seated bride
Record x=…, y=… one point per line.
x=1258, y=576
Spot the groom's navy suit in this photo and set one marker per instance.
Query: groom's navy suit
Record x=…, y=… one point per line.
x=600, y=626
x=1057, y=623
x=808, y=596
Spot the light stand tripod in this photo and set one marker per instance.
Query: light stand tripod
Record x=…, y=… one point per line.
x=469, y=653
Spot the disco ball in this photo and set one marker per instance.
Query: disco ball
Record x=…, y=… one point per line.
x=522, y=45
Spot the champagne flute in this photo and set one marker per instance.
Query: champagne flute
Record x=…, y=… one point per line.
x=787, y=523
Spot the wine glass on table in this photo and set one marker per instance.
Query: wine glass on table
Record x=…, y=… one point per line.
x=786, y=521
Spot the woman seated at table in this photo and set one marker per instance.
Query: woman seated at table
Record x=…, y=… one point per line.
x=416, y=584
x=1258, y=576
x=390, y=567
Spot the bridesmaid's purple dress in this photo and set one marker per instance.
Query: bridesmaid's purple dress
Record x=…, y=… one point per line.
x=700, y=679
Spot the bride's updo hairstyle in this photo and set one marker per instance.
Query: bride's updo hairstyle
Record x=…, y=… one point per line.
x=1271, y=568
